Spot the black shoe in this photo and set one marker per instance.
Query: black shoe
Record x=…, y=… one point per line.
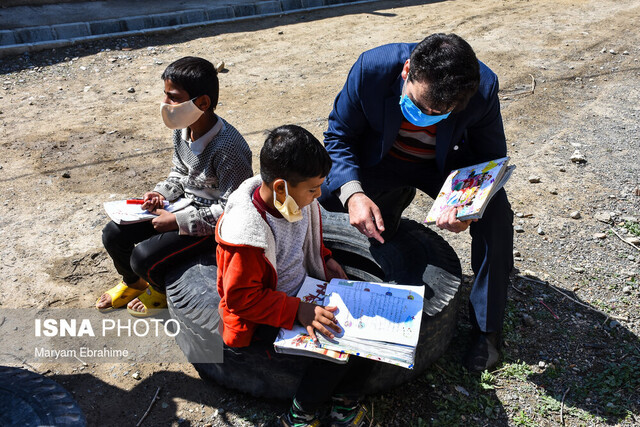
x=484, y=352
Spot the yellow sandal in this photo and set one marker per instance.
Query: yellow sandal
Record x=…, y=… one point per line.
x=120, y=294
x=154, y=301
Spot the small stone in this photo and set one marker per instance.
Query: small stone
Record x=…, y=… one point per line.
x=220, y=66
x=528, y=320
x=604, y=50
x=614, y=323
x=575, y=215
x=529, y=273
x=533, y=179
x=637, y=191
x=66, y=175
x=131, y=90
x=633, y=240
x=578, y=269
x=610, y=405
x=136, y=375
x=613, y=52
x=631, y=258
x=516, y=253
x=603, y=217
x=518, y=229
x=519, y=214
x=599, y=236
x=541, y=364
x=626, y=52
x=540, y=231
x=628, y=218
x=220, y=411
x=164, y=405
x=562, y=169
x=626, y=290
x=578, y=157
x=553, y=191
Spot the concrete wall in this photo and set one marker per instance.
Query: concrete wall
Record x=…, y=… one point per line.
x=10, y=3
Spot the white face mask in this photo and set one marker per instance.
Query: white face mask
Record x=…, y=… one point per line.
x=289, y=209
x=180, y=116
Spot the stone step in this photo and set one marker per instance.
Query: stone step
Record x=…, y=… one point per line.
x=54, y=34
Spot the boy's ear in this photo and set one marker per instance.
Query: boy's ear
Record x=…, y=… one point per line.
x=279, y=186
x=203, y=102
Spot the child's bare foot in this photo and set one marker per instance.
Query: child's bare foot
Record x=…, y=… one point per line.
x=136, y=305
x=150, y=302
x=120, y=294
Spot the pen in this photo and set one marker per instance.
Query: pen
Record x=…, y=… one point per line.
x=135, y=201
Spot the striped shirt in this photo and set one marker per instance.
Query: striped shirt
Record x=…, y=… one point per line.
x=415, y=144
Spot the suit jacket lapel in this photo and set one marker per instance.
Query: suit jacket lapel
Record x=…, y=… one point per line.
x=392, y=117
x=444, y=138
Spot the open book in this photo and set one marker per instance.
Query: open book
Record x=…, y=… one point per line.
x=121, y=212
x=379, y=321
x=470, y=189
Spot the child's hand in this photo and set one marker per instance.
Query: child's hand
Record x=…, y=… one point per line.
x=165, y=221
x=334, y=270
x=313, y=316
x=152, y=201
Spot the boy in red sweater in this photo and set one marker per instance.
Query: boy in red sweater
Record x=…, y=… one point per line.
x=269, y=240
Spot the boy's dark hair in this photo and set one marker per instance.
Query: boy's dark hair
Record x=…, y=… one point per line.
x=447, y=63
x=195, y=75
x=293, y=154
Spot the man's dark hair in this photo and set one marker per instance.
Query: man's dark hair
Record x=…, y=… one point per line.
x=195, y=75
x=449, y=66
x=293, y=154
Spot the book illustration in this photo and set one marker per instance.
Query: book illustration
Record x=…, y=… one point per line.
x=380, y=314
x=122, y=212
x=470, y=189
x=379, y=321
x=297, y=340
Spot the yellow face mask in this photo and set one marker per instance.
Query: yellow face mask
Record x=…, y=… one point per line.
x=289, y=209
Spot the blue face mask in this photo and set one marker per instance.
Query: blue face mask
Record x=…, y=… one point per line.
x=415, y=116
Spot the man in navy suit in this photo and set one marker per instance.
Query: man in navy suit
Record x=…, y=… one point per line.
x=407, y=115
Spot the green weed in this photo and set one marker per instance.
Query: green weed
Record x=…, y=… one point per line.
x=632, y=227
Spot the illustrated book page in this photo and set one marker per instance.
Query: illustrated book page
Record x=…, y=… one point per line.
x=297, y=340
x=379, y=321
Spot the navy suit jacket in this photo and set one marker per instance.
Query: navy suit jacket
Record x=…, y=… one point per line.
x=366, y=118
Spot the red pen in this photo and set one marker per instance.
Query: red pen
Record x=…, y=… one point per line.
x=135, y=201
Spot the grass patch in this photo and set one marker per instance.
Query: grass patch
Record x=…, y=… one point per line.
x=519, y=370
x=632, y=228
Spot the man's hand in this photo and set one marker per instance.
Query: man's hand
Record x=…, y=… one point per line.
x=165, y=221
x=448, y=221
x=334, y=270
x=365, y=216
x=313, y=316
x=152, y=201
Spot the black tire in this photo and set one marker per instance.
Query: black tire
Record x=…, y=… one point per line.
x=192, y=300
x=413, y=254
x=29, y=399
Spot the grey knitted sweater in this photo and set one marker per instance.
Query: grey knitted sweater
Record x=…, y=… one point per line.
x=207, y=179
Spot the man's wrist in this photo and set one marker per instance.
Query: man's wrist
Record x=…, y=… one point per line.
x=349, y=189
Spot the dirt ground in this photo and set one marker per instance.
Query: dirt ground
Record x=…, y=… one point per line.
x=81, y=126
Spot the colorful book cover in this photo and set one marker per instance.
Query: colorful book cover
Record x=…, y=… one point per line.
x=469, y=189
